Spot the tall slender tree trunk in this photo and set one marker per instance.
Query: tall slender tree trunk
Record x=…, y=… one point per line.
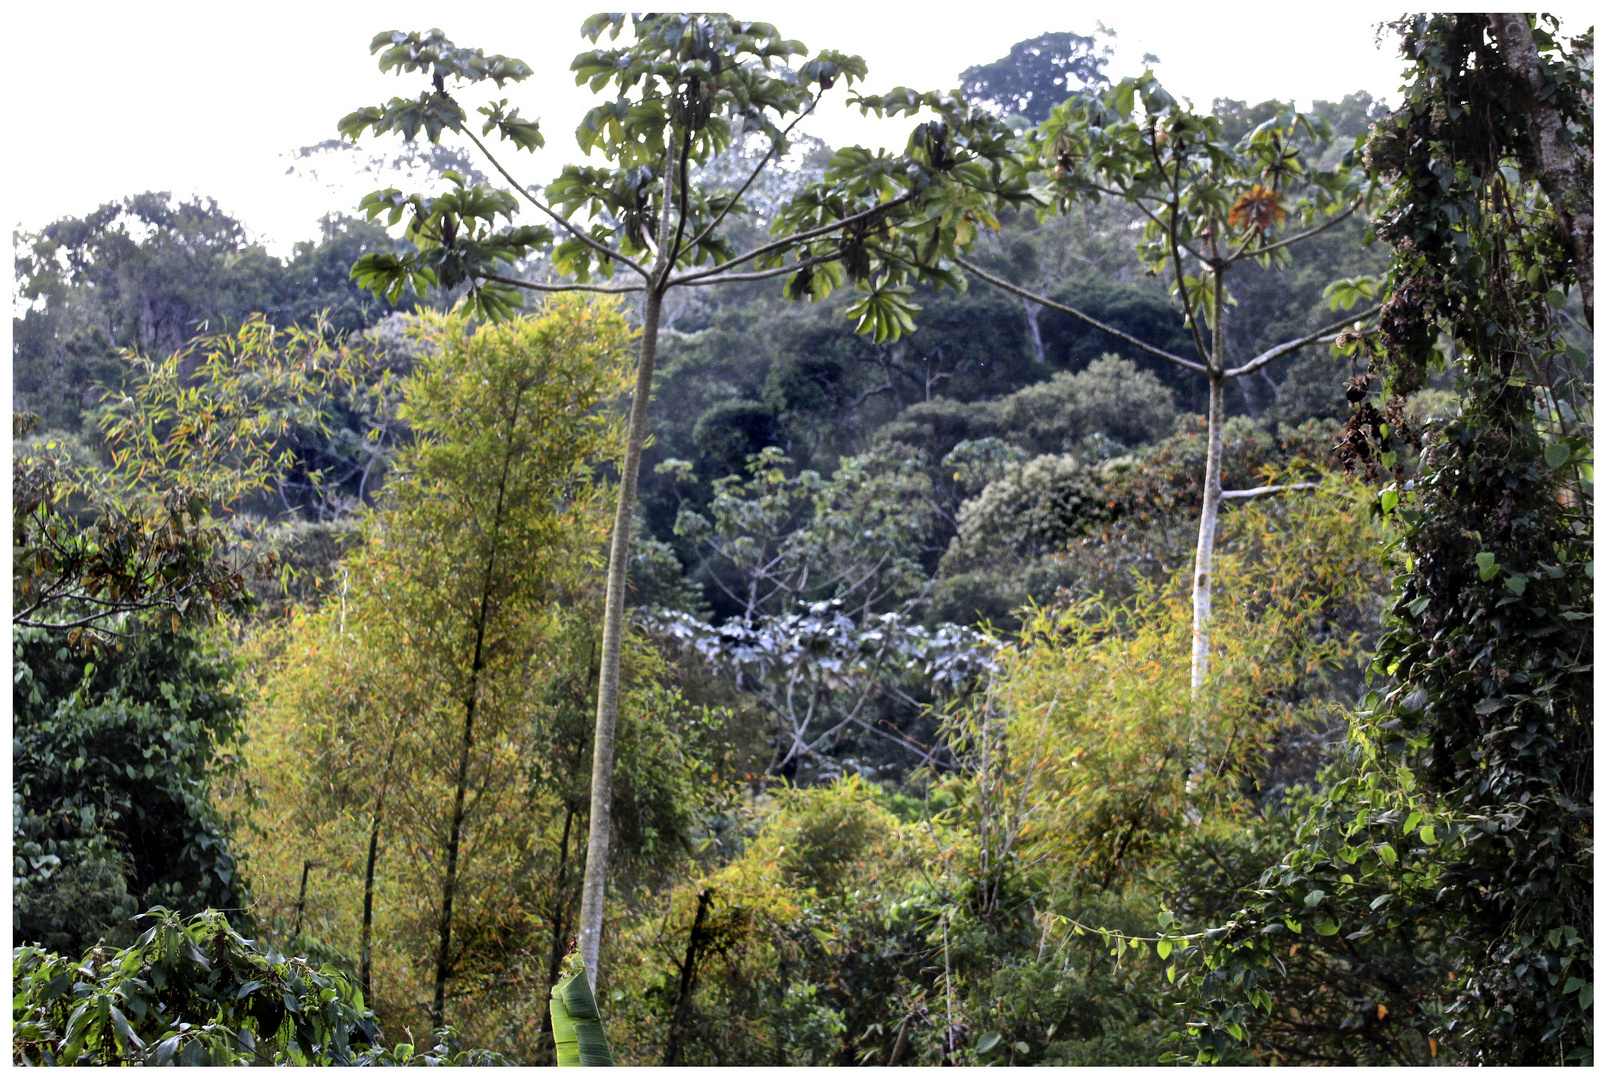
x=1211, y=493
x=602, y=767
x=443, y=955
x=590, y=937
x=1205, y=546
x=555, y=961
x=683, y=1002
x=365, y=969
x=301, y=901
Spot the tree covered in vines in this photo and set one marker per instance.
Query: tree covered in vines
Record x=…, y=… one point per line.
x=1446, y=875
x=1491, y=651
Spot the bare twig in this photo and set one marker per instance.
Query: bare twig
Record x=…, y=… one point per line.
x=1269, y=489
x=573, y=230
x=709, y=229
x=795, y=238
x=714, y=278
x=1089, y=319
x=539, y=286
x=1297, y=237
x=1331, y=330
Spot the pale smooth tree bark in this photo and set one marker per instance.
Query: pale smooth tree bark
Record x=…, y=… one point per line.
x=1205, y=542
x=600, y=831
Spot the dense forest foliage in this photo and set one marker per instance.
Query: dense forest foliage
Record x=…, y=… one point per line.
x=1108, y=584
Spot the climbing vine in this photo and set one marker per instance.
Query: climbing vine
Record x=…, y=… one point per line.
x=1448, y=861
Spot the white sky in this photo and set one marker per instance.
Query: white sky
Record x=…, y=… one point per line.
x=205, y=98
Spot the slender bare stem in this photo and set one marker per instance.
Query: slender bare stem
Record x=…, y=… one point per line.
x=1297, y=237
x=568, y=226
x=1036, y=298
x=1288, y=347
x=680, y=221
x=1269, y=489
x=760, y=275
x=754, y=175
x=537, y=286
x=1177, y=258
x=795, y=238
x=1126, y=194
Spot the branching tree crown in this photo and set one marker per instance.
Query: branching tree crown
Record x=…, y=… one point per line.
x=684, y=86
x=1209, y=204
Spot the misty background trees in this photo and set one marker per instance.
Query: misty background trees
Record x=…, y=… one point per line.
x=911, y=764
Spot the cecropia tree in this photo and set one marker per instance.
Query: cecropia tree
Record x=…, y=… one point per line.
x=1208, y=205
x=678, y=92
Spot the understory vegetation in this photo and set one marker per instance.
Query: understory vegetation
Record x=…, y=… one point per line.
x=830, y=608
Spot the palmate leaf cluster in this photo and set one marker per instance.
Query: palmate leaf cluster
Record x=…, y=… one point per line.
x=686, y=87
x=699, y=77
x=1207, y=202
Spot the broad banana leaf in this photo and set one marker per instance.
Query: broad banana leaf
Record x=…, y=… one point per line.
x=577, y=1029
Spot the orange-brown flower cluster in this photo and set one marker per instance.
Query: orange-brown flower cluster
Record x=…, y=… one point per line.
x=1259, y=208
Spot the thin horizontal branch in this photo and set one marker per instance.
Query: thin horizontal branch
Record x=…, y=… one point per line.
x=925, y=752
x=1089, y=319
x=885, y=388
x=538, y=286
x=76, y=624
x=1329, y=331
x=760, y=275
x=1123, y=193
x=47, y=596
x=1270, y=489
x=1295, y=239
x=795, y=238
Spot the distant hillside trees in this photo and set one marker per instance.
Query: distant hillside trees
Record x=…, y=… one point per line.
x=147, y=274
